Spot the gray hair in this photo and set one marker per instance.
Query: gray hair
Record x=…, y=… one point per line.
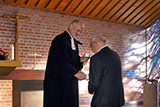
x=74, y=22
x=98, y=38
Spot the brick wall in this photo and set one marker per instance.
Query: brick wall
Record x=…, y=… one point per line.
x=44, y=26
x=5, y=93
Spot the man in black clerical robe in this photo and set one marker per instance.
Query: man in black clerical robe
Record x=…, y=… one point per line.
x=63, y=69
x=105, y=79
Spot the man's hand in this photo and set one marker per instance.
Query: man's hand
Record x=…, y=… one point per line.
x=80, y=75
x=84, y=59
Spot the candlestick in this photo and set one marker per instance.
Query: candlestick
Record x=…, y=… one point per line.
x=12, y=52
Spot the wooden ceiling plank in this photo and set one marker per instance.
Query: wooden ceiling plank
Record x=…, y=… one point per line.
x=53, y=4
x=32, y=3
x=124, y=11
x=118, y=11
x=108, y=8
x=149, y=10
x=63, y=5
x=152, y=21
x=140, y=15
x=91, y=7
x=10, y=2
x=81, y=7
x=126, y=14
x=112, y=12
x=21, y=2
x=86, y=7
x=99, y=8
x=127, y=5
x=129, y=11
x=42, y=4
x=136, y=11
x=151, y=18
x=123, y=1
x=136, y=16
x=72, y=6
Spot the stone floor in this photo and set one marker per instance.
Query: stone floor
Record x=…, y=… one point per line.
x=134, y=106
x=84, y=106
x=127, y=104
x=123, y=106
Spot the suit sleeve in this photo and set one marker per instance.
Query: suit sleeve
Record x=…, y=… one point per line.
x=94, y=74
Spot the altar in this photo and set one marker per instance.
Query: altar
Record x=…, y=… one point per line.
x=27, y=87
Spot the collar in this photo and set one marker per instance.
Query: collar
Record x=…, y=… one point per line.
x=78, y=42
x=72, y=42
x=102, y=48
x=69, y=34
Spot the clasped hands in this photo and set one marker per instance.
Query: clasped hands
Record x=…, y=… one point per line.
x=80, y=75
x=84, y=59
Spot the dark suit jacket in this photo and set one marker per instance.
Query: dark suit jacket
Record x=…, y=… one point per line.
x=105, y=79
x=60, y=84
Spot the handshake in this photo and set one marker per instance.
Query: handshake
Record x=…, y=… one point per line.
x=80, y=75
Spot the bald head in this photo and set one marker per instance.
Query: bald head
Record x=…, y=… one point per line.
x=98, y=38
x=98, y=42
x=75, y=28
x=74, y=22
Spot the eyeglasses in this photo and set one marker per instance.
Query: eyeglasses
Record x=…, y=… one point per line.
x=78, y=30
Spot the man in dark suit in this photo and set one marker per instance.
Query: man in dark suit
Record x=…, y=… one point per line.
x=105, y=79
x=63, y=69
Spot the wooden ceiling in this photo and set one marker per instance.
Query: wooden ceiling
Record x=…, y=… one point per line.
x=135, y=12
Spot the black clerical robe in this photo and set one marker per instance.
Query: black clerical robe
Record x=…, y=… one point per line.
x=60, y=84
x=105, y=79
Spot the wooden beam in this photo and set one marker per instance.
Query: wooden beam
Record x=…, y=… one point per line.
x=150, y=19
x=149, y=10
x=81, y=7
x=108, y=8
x=98, y=9
x=91, y=7
x=16, y=86
x=53, y=4
x=129, y=11
x=42, y=4
x=21, y=2
x=63, y=5
x=32, y=3
x=72, y=6
x=10, y=2
x=113, y=8
x=138, y=11
x=126, y=6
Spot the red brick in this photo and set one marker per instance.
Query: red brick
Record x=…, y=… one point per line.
x=43, y=27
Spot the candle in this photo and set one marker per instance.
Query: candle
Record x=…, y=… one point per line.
x=12, y=52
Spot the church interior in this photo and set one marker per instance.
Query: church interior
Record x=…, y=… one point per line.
x=132, y=29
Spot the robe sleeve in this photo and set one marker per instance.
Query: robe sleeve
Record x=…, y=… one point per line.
x=63, y=66
x=94, y=74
